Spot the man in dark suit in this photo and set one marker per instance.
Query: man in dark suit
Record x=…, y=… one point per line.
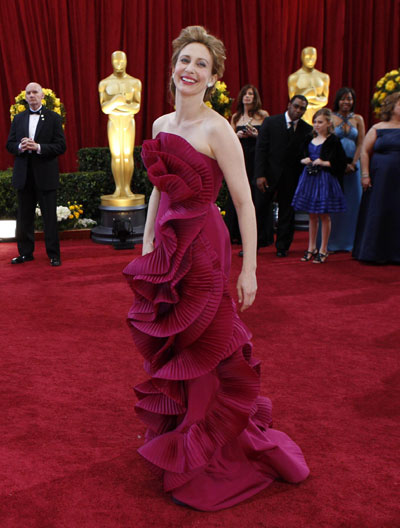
x=36, y=139
x=277, y=167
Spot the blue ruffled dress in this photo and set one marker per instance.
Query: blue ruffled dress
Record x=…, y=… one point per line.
x=318, y=193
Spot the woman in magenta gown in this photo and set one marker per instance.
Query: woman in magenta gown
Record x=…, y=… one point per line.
x=208, y=429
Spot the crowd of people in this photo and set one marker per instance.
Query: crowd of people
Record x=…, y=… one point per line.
x=317, y=170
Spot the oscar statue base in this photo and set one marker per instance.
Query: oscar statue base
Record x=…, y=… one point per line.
x=134, y=216
x=119, y=201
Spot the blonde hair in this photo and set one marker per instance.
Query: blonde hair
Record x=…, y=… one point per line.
x=215, y=47
x=327, y=113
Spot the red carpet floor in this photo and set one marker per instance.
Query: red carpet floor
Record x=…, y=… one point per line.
x=329, y=339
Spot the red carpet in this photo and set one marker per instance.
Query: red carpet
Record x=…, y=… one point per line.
x=329, y=339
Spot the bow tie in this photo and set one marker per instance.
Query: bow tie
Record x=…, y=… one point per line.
x=33, y=112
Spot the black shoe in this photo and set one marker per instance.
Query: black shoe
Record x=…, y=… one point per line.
x=55, y=261
x=281, y=253
x=21, y=259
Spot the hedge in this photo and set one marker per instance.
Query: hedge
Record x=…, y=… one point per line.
x=87, y=186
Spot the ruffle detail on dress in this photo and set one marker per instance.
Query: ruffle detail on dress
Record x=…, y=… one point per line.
x=203, y=394
x=191, y=445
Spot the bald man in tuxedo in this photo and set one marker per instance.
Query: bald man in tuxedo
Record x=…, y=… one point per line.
x=36, y=140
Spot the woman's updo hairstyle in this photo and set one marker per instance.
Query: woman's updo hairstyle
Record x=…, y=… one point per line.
x=215, y=47
x=388, y=105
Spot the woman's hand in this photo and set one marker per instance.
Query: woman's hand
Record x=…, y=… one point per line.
x=147, y=247
x=241, y=133
x=246, y=287
x=251, y=131
x=366, y=182
x=319, y=161
x=306, y=161
x=350, y=167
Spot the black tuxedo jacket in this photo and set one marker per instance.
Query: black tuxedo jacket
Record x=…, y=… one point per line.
x=278, y=152
x=49, y=134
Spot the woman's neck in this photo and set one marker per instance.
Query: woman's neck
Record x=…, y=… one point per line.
x=320, y=138
x=346, y=113
x=188, y=109
x=246, y=109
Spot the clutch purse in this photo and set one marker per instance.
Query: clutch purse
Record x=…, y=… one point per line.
x=313, y=169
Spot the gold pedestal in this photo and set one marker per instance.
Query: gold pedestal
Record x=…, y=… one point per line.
x=128, y=201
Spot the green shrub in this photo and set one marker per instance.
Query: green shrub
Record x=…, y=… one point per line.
x=84, y=187
x=87, y=186
x=99, y=158
x=8, y=196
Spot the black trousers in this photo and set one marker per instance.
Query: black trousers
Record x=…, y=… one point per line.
x=264, y=204
x=28, y=197
x=264, y=217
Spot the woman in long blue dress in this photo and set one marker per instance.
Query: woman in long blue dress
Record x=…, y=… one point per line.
x=378, y=228
x=350, y=129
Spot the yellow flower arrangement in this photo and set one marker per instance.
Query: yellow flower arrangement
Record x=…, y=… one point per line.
x=388, y=84
x=50, y=101
x=68, y=217
x=220, y=100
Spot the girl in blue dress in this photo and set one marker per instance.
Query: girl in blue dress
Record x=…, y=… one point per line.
x=318, y=192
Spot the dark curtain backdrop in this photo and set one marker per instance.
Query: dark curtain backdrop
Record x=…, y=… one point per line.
x=66, y=45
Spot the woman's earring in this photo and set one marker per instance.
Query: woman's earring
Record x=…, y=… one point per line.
x=210, y=84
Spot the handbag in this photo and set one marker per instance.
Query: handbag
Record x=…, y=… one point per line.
x=313, y=170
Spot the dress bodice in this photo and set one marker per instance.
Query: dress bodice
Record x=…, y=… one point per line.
x=171, y=159
x=249, y=141
x=347, y=137
x=314, y=150
x=351, y=134
x=388, y=140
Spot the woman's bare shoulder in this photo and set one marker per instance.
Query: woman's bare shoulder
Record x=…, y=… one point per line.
x=161, y=123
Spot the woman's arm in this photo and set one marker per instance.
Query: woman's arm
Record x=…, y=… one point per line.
x=229, y=155
x=152, y=208
x=148, y=235
x=360, y=139
x=366, y=151
x=239, y=133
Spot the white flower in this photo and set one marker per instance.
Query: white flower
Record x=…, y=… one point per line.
x=62, y=213
x=38, y=212
x=85, y=222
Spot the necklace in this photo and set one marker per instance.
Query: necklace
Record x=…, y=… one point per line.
x=243, y=119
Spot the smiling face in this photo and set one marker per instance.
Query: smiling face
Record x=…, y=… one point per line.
x=34, y=95
x=346, y=103
x=193, y=69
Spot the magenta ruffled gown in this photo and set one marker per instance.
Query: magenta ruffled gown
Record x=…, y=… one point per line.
x=208, y=430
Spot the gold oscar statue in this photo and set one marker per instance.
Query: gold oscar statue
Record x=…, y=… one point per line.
x=120, y=100
x=311, y=83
